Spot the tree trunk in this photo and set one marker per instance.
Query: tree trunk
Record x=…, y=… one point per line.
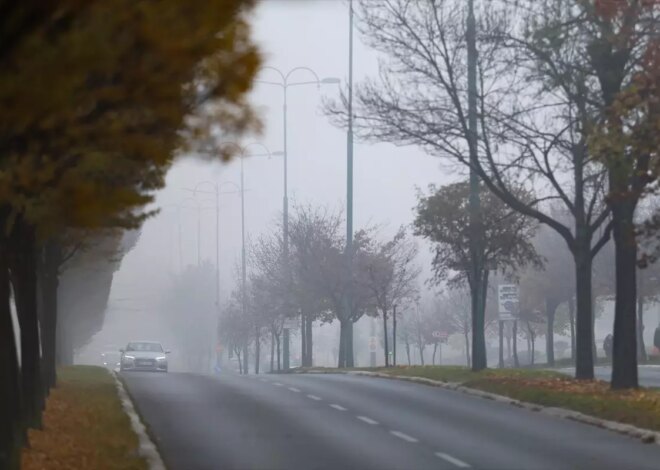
x=435, y=349
x=24, y=278
x=479, y=359
x=52, y=258
x=394, y=336
x=310, y=341
x=467, y=349
x=421, y=352
x=641, y=347
x=246, y=368
x=550, y=311
x=346, y=343
x=10, y=380
x=237, y=351
x=584, y=359
x=257, y=350
x=408, y=352
x=501, y=338
x=385, y=339
x=272, y=351
x=571, y=320
x=279, y=353
x=303, y=339
x=624, y=353
x=350, y=357
x=516, y=361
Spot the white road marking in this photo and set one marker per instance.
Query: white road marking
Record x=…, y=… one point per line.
x=263, y=380
x=367, y=420
x=294, y=389
x=404, y=436
x=338, y=407
x=453, y=460
x=314, y=397
x=278, y=384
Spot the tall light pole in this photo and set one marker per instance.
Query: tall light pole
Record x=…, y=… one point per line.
x=242, y=151
x=285, y=83
x=347, y=360
x=476, y=245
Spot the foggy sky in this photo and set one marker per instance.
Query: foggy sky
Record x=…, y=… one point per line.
x=311, y=33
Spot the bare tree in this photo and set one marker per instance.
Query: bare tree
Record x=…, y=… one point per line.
x=389, y=274
x=528, y=138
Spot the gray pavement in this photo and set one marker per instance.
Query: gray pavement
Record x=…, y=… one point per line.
x=346, y=422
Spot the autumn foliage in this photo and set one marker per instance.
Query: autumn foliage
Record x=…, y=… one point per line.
x=97, y=98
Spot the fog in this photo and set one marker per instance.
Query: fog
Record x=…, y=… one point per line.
x=291, y=34
x=314, y=34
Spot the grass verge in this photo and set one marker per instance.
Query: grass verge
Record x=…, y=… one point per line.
x=639, y=407
x=84, y=426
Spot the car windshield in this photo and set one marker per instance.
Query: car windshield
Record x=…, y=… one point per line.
x=150, y=347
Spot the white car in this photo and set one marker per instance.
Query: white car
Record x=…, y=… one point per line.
x=143, y=355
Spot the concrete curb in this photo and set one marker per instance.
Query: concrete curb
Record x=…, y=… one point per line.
x=146, y=447
x=645, y=435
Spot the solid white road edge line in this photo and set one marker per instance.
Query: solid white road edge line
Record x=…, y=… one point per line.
x=337, y=407
x=404, y=436
x=367, y=420
x=146, y=447
x=452, y=460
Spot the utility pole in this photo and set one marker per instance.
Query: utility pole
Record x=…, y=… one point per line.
x=348, y=360
x=476, y=244
x=243, y=270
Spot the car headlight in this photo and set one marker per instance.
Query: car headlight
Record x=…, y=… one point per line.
x=161, y=358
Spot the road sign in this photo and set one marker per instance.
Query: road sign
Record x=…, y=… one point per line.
x=508, y=298
x=441, y=335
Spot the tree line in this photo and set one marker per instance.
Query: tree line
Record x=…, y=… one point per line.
x=96, y=100
x=567, y=113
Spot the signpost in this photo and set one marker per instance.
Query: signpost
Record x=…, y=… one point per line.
x=440, y=335
x=508, y=299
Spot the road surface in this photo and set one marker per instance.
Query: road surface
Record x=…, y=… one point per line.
x=649, y=376
x=342, y=422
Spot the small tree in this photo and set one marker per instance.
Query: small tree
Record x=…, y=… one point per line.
x=389, y=274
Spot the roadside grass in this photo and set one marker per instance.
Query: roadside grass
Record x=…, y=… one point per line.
x=84, y=426
x=639, y=407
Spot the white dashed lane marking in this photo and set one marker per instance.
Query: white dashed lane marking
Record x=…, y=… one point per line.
x=404, y=436
x=278, y=384
x=314, y=397
x=367, y=420
x=294, y=389
x=338, y=407
x=452, y=460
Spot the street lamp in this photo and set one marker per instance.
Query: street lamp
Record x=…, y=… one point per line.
x=215, y=190
x=242, y=151
x=285, y=83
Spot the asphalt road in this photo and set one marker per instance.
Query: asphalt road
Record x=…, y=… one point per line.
x=649, y=376
x=345, y=422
